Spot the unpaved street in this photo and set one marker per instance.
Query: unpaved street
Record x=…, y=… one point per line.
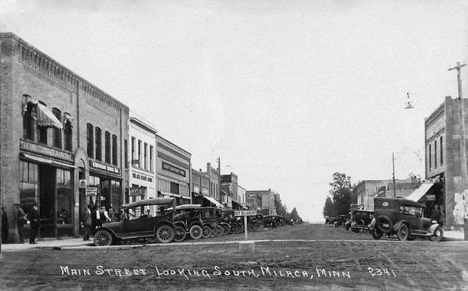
x=306, y=257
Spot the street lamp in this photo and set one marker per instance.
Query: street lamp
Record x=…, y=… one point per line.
x=408, y=103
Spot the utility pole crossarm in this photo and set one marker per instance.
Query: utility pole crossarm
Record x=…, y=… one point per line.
x=458, y=68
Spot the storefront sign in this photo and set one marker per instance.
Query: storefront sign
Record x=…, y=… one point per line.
x=136, y=191
x=430, y=197
x=173, y=169
x=245, y=212
x=82, y=183
x=91, y=191
x=100, y=166
x=142, y=177
x=45, y=150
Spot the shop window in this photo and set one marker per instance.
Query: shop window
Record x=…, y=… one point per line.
x=57, y=133
x=67, y=132
x=29, y=185
x=107, y=145
x=98, y=144
x=126, y=153
x=64, y=197
x=114, y=150
x=28, y=123
x=174, y=188
x=90, y=139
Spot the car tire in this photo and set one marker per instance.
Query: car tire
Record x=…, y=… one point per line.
x=376, y=233
x=411, y=237
x=102, y=238
x=219, y=230
x=403, y=232
x=207, y=231
x=438, y=234
x=180, y=233
x=227, y=229
x=165, y=233
x=196, y=232
x=384, y=220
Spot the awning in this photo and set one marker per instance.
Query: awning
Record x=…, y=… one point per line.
x=46, y=118
x=214, y=201
x=170, y=194
x=45, y=161
x=420, y=192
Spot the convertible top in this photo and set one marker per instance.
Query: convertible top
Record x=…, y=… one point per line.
x=146, y=202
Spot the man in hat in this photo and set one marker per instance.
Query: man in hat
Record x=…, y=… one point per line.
x=33, y=217
x=20, y=221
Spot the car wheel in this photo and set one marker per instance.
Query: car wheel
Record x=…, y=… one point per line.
x=403, y=232
x=227, y=230
x=102, y=238
x=356, y=230
x=438, y=234
x=235, y=228
x=219, y=230
x=196, y=232
x=376, y=233
x=206, y=231
x=165, y=233
x=180, y=233
x=384, y=224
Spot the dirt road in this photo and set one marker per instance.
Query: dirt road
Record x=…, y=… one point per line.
x=306, y=257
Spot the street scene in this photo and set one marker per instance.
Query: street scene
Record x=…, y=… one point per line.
x=303, y=257
x=246, y=145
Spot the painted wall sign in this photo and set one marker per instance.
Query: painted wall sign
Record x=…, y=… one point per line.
x=107, y=168
x=173, y=169
x=45, y=150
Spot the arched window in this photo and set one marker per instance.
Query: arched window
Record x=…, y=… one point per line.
x=57, y=132
x=67, y=132
x=90, y=139
x=42, y=131
x=28, y=122
x=98, y=140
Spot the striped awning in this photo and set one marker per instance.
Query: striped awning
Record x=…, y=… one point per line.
x=46, y=118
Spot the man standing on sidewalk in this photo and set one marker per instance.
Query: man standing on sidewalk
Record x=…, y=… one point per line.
x=86, y=223
x=20, y=221
x=33, y=217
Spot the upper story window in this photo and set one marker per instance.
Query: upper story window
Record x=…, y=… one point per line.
x=151, y=158
x=139, y=153
x=98, y=143
x=67, y=133
x=126, y=153
x=28, y=121
x=114, y=150
x=441, y=150
x=133, y=152
x=435, y=154
x=430, y=157
x=107, y=145
x=57, y=132
x=90, y=139
x=145, y=156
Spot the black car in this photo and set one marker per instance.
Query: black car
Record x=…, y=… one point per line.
x=404, y=218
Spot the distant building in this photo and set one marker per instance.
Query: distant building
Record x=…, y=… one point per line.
x=367, y=190
x=261, y=200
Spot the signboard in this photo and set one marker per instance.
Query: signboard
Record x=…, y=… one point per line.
x=91, y=191
x=82, y=183
x=173, y=169
x=245, y=213
x=430, y=197
x=136, y=191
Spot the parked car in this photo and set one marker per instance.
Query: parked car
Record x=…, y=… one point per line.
x=360, y=220
x=404, y=218
x=188, y=216
x=340, y=221
x=136, y=224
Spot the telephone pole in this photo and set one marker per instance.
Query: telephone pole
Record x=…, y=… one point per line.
x=463, y=161
x=394, y=184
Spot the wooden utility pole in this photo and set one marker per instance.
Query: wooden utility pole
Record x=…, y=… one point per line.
x=463, y=161
x=394, y=184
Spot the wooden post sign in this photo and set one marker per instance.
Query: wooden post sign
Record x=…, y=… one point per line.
x=245, y=213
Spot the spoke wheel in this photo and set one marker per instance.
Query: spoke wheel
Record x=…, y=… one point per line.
x=165, y=234
x=180, y=233
x=403, y=232
x=376, y=233
x=438, y=234
x=207, y=231
x=227, y=230
x=219, y=230
x=102, y=238
x=196, y=232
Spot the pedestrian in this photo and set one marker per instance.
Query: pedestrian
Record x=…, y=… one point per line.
x=95, y=219
x=111, y=213
x=436, y=215
x=149, y=213
x=20, y=221
x=104, y=215
x=5, y=227
x=86, y=222
x=33, y=217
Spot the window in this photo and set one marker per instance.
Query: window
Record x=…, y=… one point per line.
x=98, y=139
x=90, y=140
x=114, y=150
x=174, y=188
x=133, y=152
x=145, y=157
x=430, y=157
x=28, y=123
x=411, y=210
x=67, y=132
x=107, y=146
x=42, y=134
x=126, y=153
x=441, y=151
x=435, y=154
x=57, y=132
x=151, y=159
x=29, y=185
x=139, y=153
x=64, y=197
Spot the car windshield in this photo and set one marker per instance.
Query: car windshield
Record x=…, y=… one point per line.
x=146, y=211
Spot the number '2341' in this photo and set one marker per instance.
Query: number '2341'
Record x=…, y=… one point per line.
x=380, y=272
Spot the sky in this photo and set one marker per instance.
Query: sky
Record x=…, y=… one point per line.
x=284, y=92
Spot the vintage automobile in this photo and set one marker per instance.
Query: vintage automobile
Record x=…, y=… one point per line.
x=360, y=220
x=188, y=216
x=404, y=218
x=135, y=224
x=340, y=221
x=209, y=218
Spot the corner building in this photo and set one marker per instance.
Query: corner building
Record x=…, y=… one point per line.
x=62, y=140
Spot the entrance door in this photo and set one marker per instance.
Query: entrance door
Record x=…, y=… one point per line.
x=47, y=182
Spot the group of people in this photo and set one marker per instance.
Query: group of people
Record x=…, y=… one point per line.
x=94, y=217
x=21, y=219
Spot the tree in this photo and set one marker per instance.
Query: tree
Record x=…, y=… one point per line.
x=329, y=209
x=341, y=193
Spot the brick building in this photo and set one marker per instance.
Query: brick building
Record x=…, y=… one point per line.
x=367, y=190
x=443, y=166
x=261, y=200
x=62, y=140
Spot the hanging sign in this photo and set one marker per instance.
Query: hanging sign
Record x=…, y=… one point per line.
x=91, y=191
